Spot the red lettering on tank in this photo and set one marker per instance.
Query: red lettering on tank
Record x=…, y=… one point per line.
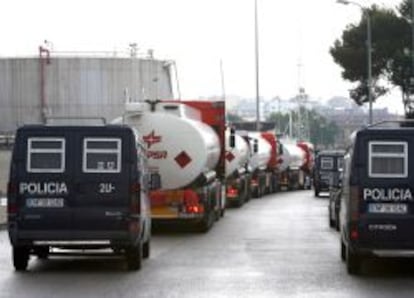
x=157, y=154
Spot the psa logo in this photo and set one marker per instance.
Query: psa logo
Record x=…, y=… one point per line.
x=151, y=139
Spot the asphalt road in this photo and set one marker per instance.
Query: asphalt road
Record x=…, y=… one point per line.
x=277, y=246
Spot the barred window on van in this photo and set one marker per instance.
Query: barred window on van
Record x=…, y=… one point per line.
x=388, y=159
x=45, y=155
x=327, y=163
x=101, y=155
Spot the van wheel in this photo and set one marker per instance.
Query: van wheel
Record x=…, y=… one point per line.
x=343, y=251
x=20, y=258
x=42, y=252
x=133, y=256
x=353, y=262
x=146, y=249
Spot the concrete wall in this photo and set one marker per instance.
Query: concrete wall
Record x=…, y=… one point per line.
x=5, y=156
x=77, y=87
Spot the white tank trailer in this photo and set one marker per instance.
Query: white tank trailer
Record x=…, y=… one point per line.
x=261, y=158
x=236, y=160
x=291, y=168
x=181, y=148
x=32, y=89
x=293, y=157
x=236, y=157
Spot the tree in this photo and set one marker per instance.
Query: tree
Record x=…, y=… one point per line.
x=390, y=39
x=322, y=132
x=234, y=118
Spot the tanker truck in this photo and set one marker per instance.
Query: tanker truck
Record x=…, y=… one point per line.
x=261, y=182
x=185, y=147
x=296, y=164
x=238, y=177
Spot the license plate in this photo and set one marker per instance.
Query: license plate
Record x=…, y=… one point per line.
x=387, y=208
x=45, y=203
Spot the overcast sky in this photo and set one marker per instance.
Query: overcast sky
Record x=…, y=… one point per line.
x=197, y=34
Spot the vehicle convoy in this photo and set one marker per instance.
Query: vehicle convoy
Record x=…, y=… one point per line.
x=78, y=188
x=328, y=167
x=185, y=147
x=238, y=176
x=296, y=164
x=377, y=204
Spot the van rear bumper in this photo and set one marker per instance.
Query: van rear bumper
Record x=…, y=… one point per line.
x=73, y=237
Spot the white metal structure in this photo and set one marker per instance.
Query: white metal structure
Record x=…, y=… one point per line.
x=237, y=157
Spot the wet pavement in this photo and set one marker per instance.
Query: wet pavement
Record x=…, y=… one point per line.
x=277, y=246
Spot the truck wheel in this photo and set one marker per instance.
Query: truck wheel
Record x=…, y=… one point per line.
x=133, y=256
x=353, y=262
x=20, y=258
x=146, y=249
x=343, y=251
x=207, y=221
x=337, y=225
x=316, y=192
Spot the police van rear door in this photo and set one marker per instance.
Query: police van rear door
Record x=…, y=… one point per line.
x=387, y=209
x=102, y=180
x=44, y=179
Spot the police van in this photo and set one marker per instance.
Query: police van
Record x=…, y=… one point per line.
x=377, y=203
x=326, y=173
x=78, y=187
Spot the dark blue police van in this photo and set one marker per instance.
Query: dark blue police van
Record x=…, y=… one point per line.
x=78, y=187
x=327, y=169
x=377, y=203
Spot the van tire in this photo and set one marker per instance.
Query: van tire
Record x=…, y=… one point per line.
x=42, y=252
x=146, y=249
x=20, y=258
x=353, y=262
x=133, y=256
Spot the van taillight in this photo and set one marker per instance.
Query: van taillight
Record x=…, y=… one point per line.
x=135, y=198
x=135, y=188
x=12, y=208
x=355, y=196
x=11, y=188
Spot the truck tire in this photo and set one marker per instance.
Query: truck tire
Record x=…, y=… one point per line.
x=20, y=258
x=343, y=251
x=316, y=192
x=146, y=249
x=133, y=256
x=353, y=262
x=207, y=222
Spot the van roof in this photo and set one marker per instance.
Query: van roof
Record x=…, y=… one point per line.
x=34, y=127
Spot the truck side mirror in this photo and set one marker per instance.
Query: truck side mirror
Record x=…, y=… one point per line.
x=155, y=181
x=232, y=138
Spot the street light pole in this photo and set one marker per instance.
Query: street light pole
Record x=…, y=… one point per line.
x=365, y=10
x=369, y=57
x=256, y=43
